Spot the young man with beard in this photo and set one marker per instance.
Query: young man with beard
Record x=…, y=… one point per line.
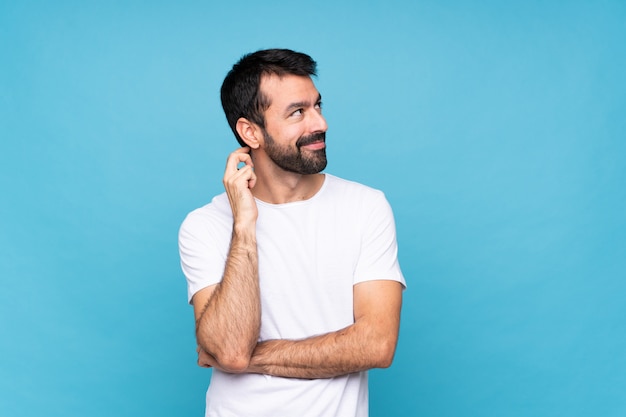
x=292, y=273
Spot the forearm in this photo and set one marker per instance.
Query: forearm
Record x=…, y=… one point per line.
x=228, y=328
x=353, y=349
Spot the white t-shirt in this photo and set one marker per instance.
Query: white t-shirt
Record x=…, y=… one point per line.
x=311, y=254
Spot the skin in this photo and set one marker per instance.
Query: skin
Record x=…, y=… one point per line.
x=228, y=314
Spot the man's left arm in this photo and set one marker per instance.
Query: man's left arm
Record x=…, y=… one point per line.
x=368, y=343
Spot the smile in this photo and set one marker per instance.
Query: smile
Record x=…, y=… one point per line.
x=315, y=145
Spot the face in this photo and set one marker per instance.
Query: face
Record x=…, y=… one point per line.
x=295, y=130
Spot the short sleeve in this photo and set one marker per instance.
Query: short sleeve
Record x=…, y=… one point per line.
x=202, y=248
x=378, y=258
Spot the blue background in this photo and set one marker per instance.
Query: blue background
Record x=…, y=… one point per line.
x=496, y=130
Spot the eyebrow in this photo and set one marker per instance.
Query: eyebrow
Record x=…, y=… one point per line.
x=299, y=104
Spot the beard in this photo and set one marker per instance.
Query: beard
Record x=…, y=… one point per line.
x=294, y=160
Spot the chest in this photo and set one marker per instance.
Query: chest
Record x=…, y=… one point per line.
x=307, y=260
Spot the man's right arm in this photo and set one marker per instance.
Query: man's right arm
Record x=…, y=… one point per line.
x=228, y=314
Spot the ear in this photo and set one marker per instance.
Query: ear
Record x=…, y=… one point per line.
x=250, y=132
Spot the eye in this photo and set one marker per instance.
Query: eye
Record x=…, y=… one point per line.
x=318, y=106
x=297, y=112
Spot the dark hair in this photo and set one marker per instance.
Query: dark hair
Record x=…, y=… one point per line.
x=241, y=94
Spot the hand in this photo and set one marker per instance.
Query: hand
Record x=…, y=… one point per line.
x=238, y=183
x=204, y=359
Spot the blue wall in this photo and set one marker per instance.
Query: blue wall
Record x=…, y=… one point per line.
x=496, y=129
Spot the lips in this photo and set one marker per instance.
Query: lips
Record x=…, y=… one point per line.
x=315, y=146
x=317, y=139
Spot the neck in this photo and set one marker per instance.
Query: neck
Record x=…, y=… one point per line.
x=277, y=186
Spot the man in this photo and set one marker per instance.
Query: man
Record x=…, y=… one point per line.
x=292, y=273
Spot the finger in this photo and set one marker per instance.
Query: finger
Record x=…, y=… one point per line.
x=234, y=160
x=244, y=149
x=243, y=177
x=203, y=363
x=238, y=156
x=204, y=359
x=252, y=180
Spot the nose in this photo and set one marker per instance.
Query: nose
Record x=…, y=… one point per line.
x=318, y=122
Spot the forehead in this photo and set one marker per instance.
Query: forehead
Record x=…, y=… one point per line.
x=287, y=89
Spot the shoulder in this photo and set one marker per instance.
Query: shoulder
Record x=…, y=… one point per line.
x=216, y=214
x=352, y=190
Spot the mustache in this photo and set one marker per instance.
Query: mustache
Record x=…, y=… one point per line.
x=307, y=140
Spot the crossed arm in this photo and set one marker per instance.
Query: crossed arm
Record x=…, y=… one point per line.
x=368, y=343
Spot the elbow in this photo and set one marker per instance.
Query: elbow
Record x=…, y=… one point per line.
x=232, y=360
x=385, y=352
x=230, y=356
x=234, y=364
